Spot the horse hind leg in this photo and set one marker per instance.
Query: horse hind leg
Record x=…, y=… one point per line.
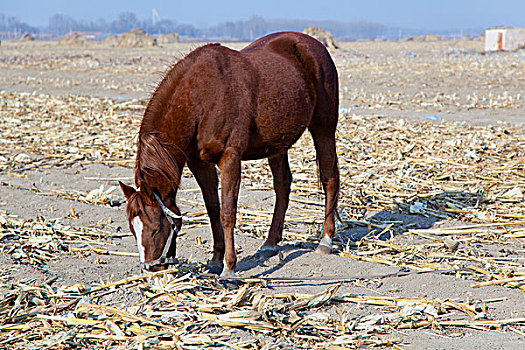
x=324, y=141
x=282, y=180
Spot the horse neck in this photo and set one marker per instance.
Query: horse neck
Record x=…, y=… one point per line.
x=162, y=144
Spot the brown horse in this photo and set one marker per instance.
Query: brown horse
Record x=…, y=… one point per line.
x=217, y=107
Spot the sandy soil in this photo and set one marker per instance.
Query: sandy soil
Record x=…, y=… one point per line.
x=387, y=75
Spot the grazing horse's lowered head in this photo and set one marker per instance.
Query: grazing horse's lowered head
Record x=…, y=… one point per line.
x=153, y=215
x=155, y=228
x=216, y=108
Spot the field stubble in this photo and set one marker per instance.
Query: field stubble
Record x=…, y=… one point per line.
x=430, y=251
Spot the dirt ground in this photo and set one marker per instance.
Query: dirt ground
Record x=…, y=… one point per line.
x=415, y=82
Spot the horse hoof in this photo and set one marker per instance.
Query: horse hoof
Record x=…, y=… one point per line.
x=325, y=246
x=227, y=274
x=323, y=249
x=215, y=269
x=230, y=283
x=266, y=252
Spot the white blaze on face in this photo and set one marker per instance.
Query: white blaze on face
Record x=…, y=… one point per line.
x=137, y=227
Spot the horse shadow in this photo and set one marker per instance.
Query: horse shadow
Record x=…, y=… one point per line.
x=422, y=212
x=274, y=262
x=373, y=226
x=382, y=225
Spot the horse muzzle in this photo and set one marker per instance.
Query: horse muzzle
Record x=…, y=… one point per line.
x=159, y=264
x=163, y=262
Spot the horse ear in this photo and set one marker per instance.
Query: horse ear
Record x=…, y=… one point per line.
x=127, y=190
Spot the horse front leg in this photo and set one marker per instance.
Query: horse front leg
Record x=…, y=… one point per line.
x=206, y=176
x=282, y=180
x=230, y=165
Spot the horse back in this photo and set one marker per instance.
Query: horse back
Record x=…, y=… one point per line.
x=258, y=100
x=307, y=54
x=297, y=88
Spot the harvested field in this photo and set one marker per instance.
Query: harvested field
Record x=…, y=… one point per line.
x=430, y=252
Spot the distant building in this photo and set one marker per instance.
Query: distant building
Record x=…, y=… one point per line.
x=504, y=38
x=88, y=35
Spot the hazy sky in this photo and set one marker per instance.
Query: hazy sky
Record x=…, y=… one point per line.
x=421, y=14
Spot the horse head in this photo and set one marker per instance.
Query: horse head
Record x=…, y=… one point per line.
x=154, y=225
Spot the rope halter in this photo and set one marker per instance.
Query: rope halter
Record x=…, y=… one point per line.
x=174, y=230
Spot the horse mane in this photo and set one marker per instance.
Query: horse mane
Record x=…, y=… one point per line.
x=156, y=167
x=159, y=102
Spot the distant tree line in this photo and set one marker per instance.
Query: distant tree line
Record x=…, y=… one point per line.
x=61, y=24
x=258, y=26
x=13, y=24
x=249, y=29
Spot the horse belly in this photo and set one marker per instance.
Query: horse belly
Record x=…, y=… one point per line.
x=281, y=119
